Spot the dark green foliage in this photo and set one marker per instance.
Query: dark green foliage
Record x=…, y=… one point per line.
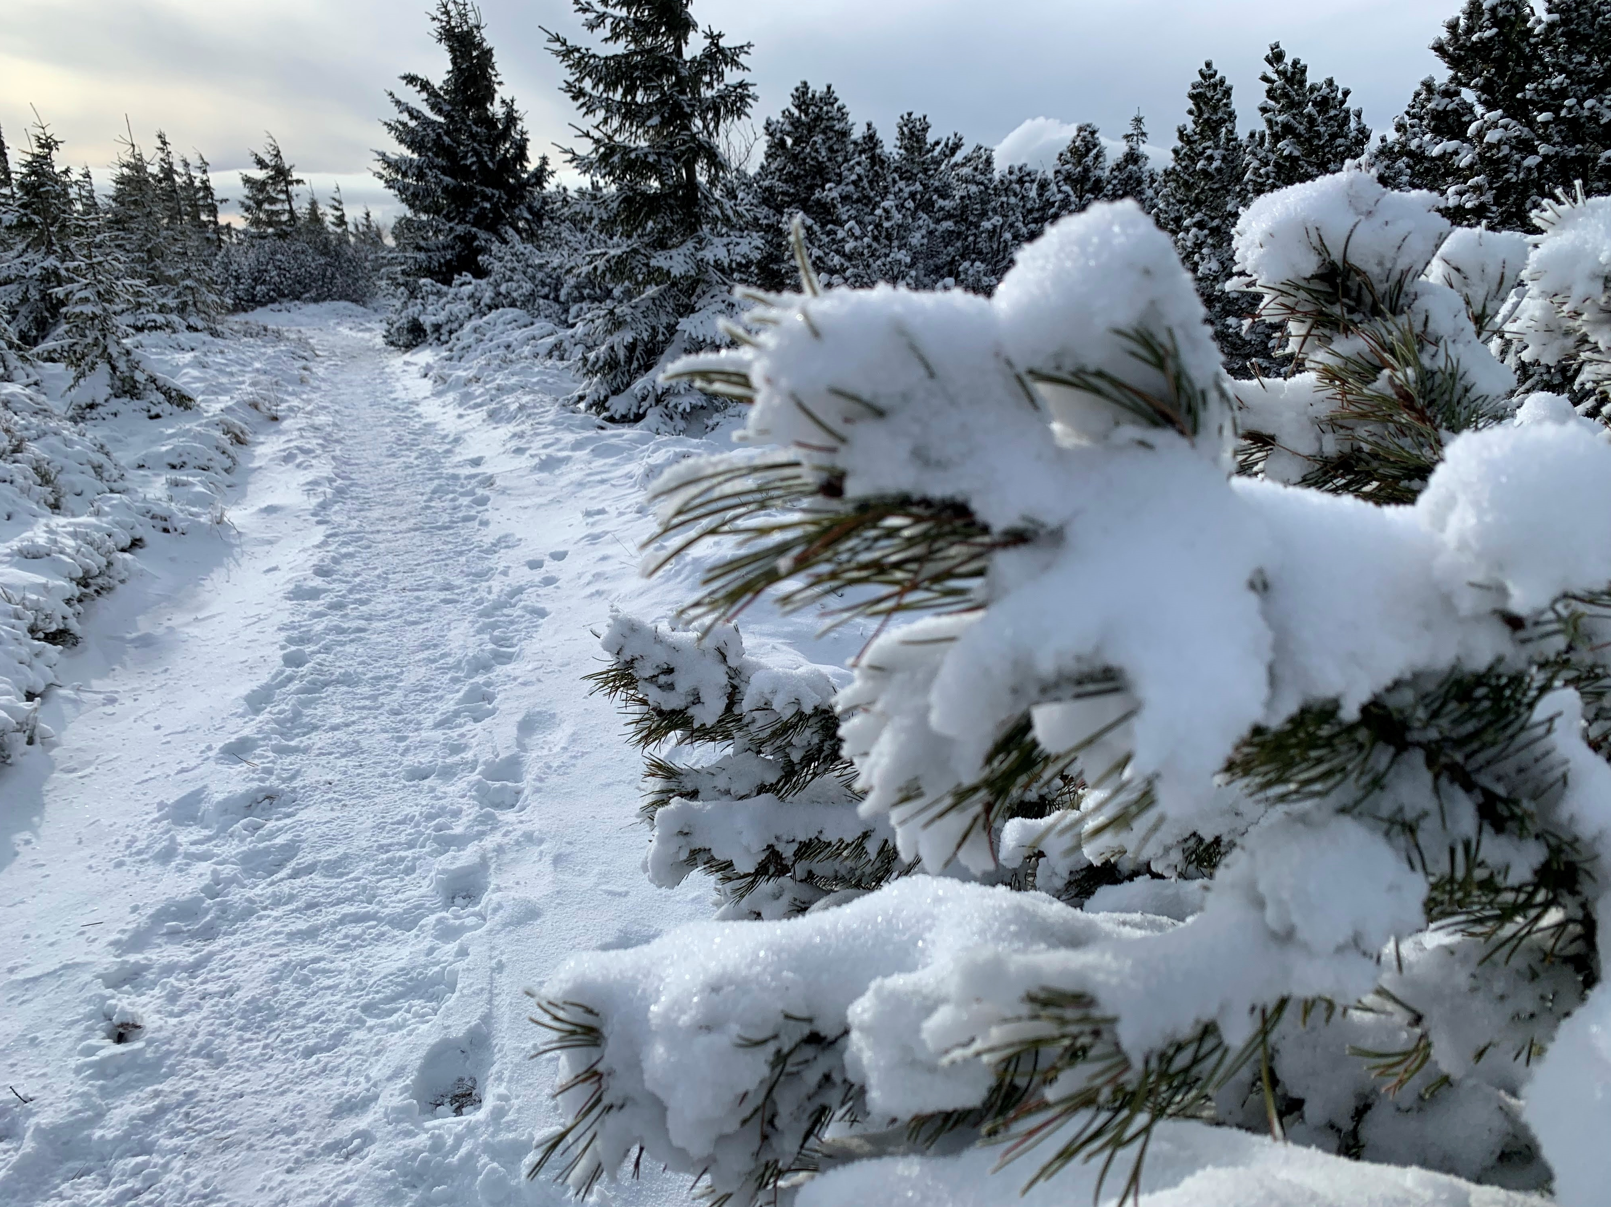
x=1132, y=174
x=1081, y=174
x=656, y=109
x=677, y=232
x=1308, y=129
x=808, y=149
x=464, y=169
x=1200, y=195
x=1429, y=142
x=269, y=206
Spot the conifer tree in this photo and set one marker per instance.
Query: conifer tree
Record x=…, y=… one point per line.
x=338, y=215
x=1430, y=140
x=1309, y=130
x=269, y=206
x=1572, y=96
x=464, y=171
x=808, y=148
x=1132, y=174
x=1081, y=174
x=103, y=301
x=656, y=107
x=5, y=165
x=42, y=205
x=1200, y=194
x=852, y=252
x=1493, y=55
x=139, y=220
x=207, y=203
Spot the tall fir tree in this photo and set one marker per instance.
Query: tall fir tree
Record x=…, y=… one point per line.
x=269, y=206
x=5, y=165
x=808, y=148
x=464, y=171
x=1309, y=130
x=42, y=210
x=1132, y=174
x=1200, y=194
x=658, y=101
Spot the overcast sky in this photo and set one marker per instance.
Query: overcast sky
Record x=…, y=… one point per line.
x=215, y=74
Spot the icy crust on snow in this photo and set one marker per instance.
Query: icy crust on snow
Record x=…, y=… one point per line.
x=694, y=1023
x=80, y=488
x=1188, y=1165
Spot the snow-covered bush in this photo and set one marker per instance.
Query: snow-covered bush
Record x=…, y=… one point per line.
x=771, y=816
x=1325, y=724
x=1562, y=321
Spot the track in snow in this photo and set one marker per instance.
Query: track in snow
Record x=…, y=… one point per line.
x=319, y=813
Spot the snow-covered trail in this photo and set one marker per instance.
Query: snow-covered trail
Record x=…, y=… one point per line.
x=317, y=815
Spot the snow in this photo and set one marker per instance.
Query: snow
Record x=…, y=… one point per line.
x=327, y=790
x=1036, y=141
x=1188, y=1165
x=1290, y=234
x=327, y=794
x=1525, y=511
x=1569, y=1102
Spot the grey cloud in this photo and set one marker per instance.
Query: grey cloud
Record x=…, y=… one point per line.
x=215, y=75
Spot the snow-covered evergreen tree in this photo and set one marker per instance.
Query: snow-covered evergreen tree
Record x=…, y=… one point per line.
x=1572, y=96
x=808, y=148
x=1309, y=130
x=1132, y=174
x=1493, y=59
x=40, y=214
x=1081, y=174
x=286, y=253
x=658, y=100
x=1200, y=195
x=464, y=171
x=1430, y=140
x=780, y=776
x=1319, y=760
x=269, y=204
x=103, y=300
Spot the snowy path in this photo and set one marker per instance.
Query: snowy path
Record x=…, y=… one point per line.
x=318, y=814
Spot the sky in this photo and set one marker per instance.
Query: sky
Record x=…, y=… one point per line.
x=216, y=74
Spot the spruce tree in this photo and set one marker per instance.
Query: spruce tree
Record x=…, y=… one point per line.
x=102, y=301
x=1081, y=174
x=1309, y=130
x=5, y=165
x=808, y=147
x=1200, y=194
x=269, y=206
x=207, y=203
x=1132, y=174
x=657, y=101
x=42, y=207
x=464, y=171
